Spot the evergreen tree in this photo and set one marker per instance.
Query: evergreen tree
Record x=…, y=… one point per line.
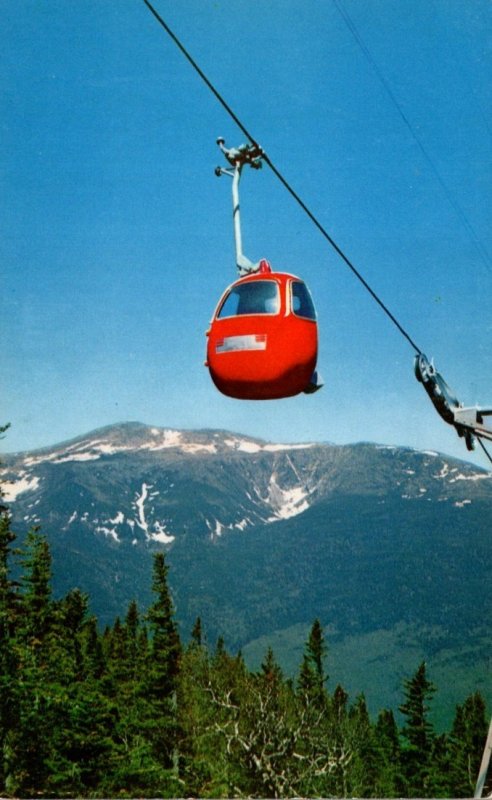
x=388, y=752
x=341, y=745
x=220, y=649
x=418, y=733
x=216, y=690
x=196, y=633
x=117, y=656
x=161, y=672
x=340, y=699
x=7, y=587
x=166, y=646
x=9, y=672
x=29, y=742
x=363, y=768
x=37, y=608
x=132, y=624
x=199, y=754
x=70, y=620
x=270, y=670
x=92, y=651
x=439, y=771
x=312, y=677
x=135, y=764
x=467, y=739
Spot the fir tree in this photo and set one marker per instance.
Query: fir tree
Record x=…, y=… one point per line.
x=166, y=646
x=196, y=633
x=161, y=673
x=388, y=752
x=37, y=607
x=467, y=739
x=418, y=733
x=312, y=677
x=363, y=771
x=70, y=619
x=270, y=670
x=29, y=743
x=9, y=673
x=132, y=624
x=92, y=651
x=220, y=648
x=340, y=699
x=199, y=755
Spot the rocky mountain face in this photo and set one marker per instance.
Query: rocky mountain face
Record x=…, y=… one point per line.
x=388, y=547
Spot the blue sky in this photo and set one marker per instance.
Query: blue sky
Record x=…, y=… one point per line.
x=117, y=237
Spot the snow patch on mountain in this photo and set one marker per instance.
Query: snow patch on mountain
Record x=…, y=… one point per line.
x=174, y=439
x=159, y=534
x=453, y=475
x=445, y=471
x=249, y=446
x=32, y=461
x=72, y=518
x=77, y=457
x=286, y=503
x=156, y=530
x=196, y=447
x=462, y=503
x=163, y=440
x=95, y=448
x=140, y=505
x=215, y=529
x=472, y=476
x=153, y=440
x=24, y=483
x=107, y=532
x=276, y=448
x=244, y=445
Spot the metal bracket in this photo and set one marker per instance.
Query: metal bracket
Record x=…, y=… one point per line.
x=468, y=422
x=237, y=157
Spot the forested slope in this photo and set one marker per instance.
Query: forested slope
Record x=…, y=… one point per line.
x=133, y=711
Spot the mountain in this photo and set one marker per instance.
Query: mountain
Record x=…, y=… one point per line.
x=389, y=547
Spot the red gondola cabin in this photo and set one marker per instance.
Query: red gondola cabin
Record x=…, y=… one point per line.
x=262, y=342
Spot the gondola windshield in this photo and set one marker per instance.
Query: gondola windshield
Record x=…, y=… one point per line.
x=258, y=297
x=302, y=304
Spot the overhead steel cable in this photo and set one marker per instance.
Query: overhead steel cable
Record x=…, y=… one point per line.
x=281, y=178
x=386, y=86
x=479, y=439
x=200, y=72
x=340, y=252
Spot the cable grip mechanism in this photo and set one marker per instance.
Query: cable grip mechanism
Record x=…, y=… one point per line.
x=238, y=157
x=468, y=422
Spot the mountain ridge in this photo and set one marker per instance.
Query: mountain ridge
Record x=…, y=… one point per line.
x=379, y=542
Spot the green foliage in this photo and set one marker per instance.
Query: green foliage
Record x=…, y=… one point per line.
x=389, y=782
x=418, y=733
x=132, y=712
x=467, y=738
x=312, y=676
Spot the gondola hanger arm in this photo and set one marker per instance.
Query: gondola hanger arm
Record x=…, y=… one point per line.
x=470, y=422
x=238, y=157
